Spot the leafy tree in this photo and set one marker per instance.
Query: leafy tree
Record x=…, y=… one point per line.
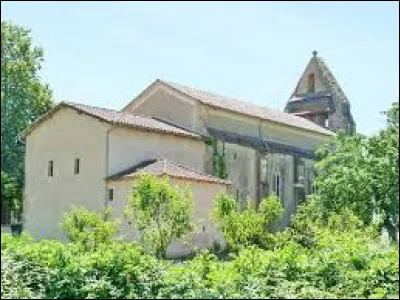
x=246, y=227
x=362, y=174
x=23, y=97
x=89, y=228
x=11, y=195
x=161, y=212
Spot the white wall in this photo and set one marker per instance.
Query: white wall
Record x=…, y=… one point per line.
x=65, y=136
x=203, y=195
x=128, y=147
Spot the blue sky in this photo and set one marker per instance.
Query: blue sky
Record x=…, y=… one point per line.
x=105, y=53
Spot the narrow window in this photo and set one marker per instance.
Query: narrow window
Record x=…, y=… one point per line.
x=311, y=83
x=50, y=169
x=278, y=179
x=111, y=194
x=76, y=167
x=277, y=183
x=326, y=122
x=263, y=170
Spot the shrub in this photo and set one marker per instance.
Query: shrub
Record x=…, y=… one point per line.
x=161, y=212
x=247, y=227
x=88, y=228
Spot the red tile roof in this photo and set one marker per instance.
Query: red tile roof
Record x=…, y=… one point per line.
x=116, y=118
x=247, y=108
x=160, y=167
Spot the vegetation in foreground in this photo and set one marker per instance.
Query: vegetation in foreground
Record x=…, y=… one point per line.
x=345, y=259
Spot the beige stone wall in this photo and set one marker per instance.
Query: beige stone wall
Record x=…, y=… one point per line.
x=220, y=119
x=303, y=84
x=285, y=135
x=203, y=195
x=241, y=167
x=65, y=136
x=128, y=147
x=244, y=125
x=284, y=166
x=243, y=163
x=170, y=106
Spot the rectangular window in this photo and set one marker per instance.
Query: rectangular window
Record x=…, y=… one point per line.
x=263, y=171
x=110, y=194
x=311, y=83
x=76, y=168
x=50, y=168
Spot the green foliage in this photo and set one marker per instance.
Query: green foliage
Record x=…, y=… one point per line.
x=362, y=174
x=89, y=228
x=11, y=194
x=350, y=263
x=23, y=97
x=161, y=212
x=249, y=226
x=219, y=163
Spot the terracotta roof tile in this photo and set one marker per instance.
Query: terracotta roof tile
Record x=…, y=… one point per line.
x=247, y=108
x=117, y=118
x=161, y=167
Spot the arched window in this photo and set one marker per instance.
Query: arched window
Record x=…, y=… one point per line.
x=311, y=83
x=277, y=185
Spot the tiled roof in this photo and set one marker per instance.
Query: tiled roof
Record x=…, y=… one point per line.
x=247, y=108
x=161, y=167
x=117, y=118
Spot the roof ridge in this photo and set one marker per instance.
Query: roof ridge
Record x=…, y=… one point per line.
x=162, y=168
x=171, y=83
x=190, y=169
x=248, y=108
x=91, y=106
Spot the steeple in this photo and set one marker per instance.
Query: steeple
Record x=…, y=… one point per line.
x=319, y=98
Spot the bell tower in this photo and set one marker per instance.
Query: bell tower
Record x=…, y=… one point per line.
x=319, y=98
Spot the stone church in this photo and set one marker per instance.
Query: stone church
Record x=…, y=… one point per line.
x=90, y=156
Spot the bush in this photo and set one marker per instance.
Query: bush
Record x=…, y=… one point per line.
x=161, y=212
x=249, y=226
x=341, y=264
x=88, y=228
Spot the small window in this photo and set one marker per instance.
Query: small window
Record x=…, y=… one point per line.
x=311, y=83
x=277, y=187
x=50, y=168
x=263, y=171
x=300, y=171
x=278, y=183
x=76, y=166
x=312, y=186
x=111, y=194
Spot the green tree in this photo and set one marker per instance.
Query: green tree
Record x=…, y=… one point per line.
x=11, y=195
x=23, y=97
x=89, y=228
x=161, y=212
x=361, y=174
x=249, y=226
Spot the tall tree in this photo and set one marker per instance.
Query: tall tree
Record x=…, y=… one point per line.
x=23, y=96
x=362, y=174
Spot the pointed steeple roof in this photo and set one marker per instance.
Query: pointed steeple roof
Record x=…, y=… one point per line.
x=319, y=97
x=325, y=75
